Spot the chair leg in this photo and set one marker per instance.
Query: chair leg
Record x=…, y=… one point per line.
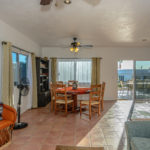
x=102, y=105
x=55, y=107
x=73, y=107
x=99, y=112
x=80, y=108
x=66, y=109
x=90, y=111
x=52, y=105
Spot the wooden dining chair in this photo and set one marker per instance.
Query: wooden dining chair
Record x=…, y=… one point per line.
x=61, y=98
x=94, y=100
x=70, y=83
x=59, y=83
x=102, y=95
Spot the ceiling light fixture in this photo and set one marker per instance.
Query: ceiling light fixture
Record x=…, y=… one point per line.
x=67, y=1
x=74, y=49
x=75, y=46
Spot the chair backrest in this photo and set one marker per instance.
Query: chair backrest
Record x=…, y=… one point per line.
x=103, y=90
x=70, y=83
x=52, y=88
x=9, y=113
x=61, y=92
x=95, y=93
x=60, y=83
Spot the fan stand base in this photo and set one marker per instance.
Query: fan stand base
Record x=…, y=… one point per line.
x=20, y=125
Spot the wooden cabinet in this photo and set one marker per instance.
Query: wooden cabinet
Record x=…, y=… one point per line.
x=42, y=68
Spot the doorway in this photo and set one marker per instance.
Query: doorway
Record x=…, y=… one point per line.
x=125, y=79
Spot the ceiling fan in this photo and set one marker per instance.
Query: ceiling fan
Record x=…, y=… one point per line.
x=47, y=2
x=76, y=45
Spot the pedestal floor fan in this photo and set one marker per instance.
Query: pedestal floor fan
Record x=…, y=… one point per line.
x=23, y=87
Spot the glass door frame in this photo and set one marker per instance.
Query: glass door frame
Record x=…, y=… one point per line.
x=133, y=80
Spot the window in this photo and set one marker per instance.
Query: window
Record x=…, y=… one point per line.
x=75, y=69
x=20, y=62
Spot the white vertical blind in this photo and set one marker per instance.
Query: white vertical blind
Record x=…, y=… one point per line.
x=83, y=71
x=75, y=69
x=65, y=69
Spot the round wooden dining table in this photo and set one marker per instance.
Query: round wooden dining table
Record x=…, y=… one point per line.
x=76, y=92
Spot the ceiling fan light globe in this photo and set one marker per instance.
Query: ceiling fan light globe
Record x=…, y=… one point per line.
x=67, y=1
x=71, y=49
x=78, y=43
x=76, y=49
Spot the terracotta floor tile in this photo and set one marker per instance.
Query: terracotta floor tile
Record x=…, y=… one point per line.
x=48, y=147
x=31, y=146
x=13, y=146
x=52, y=140
x=67, y=140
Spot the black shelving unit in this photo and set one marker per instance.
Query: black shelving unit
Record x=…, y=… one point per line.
x=42, y=68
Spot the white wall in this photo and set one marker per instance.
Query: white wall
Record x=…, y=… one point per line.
x=7, y=33
x=109, y=62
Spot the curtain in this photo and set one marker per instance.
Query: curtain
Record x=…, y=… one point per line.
x=7, y=75
x=0, y=73
x=34, y=82
x=29, y=76
x=53, y=70
x=95, y=71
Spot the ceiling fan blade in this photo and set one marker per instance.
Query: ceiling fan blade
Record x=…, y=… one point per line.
x=45, y=2
x=60, y=46
x=86, y=46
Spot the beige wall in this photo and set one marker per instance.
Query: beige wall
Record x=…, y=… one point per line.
x=8, y=33
x=109, y=62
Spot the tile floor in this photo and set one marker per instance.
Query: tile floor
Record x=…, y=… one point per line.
x=46, y=130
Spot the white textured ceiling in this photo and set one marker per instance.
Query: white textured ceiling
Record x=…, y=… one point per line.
x=97, y=22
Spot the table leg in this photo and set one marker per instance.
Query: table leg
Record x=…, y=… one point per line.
x=75, y=101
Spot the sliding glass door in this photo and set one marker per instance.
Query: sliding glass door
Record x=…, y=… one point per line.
x=134, y=80
x=142, y=80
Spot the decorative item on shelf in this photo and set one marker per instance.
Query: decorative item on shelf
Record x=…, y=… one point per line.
x=75, y=85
